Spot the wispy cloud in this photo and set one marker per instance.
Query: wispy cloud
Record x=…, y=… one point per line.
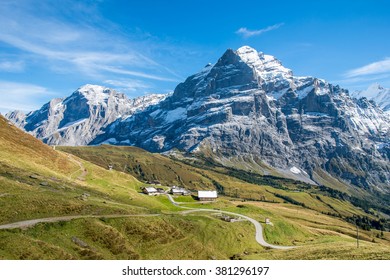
x=136, y=73
x=374, y=68
x=127, y=86
x=22, y=96
x=246, y=33
x=362, y=79
x=77, y=45
x=12, y=66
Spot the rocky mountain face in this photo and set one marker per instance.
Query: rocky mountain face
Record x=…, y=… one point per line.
x=378, y=94
x=79, y=118
x=249, y=107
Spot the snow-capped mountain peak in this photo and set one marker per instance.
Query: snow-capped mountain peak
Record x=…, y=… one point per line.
x=378, y=94
x=263, y=64
x=248, y=105
x=95, y=94
x=77, y=119
x=89, y=88
x=249, y=55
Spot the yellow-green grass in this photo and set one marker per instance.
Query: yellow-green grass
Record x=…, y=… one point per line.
x=197, y=236
x=37, y=181
x=102, y=192
x=323, y=178
x=185, y=198
x=322, y=203
x=335, y=249
x=23, y=150
x=327, y=180
x=143, y=165
x=317, y=236
x=168, y=171
x=244, y=191
x=344, y=208
x=23, y=198
x=235, y=187
x=318, y=224
x=294, y=225
x=168, y=237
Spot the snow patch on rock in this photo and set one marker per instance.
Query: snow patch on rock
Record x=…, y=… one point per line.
x=295, y=170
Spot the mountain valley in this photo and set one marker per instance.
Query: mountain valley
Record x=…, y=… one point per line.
x=308, y=155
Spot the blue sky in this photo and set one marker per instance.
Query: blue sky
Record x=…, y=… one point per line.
x=50, y=48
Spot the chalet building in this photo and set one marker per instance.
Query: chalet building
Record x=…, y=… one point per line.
x=150, y=191
x=179, y=191
x=207, y=195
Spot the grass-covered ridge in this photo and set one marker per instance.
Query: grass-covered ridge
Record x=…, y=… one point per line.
x=37, y=181
x=204, y=173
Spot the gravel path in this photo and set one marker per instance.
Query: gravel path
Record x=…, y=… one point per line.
x=30, y=223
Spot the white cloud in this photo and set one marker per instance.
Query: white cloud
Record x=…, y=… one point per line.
x=22, y=96
x=127, y=85
x=88, y=46
x=246, y=33
x=360, y=79
x=12, y=66
x=136, y=73
x=378, y=67
x=92, y=62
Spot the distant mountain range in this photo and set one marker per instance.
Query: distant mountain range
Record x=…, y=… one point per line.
x=79, y=118
x=246, y=110
x=378, y=94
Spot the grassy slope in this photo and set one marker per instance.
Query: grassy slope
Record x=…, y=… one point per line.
x=169, y=237
x=60, y=179
x=172, y=172
x=141, y=164
x=288, y=229
x=37, y=181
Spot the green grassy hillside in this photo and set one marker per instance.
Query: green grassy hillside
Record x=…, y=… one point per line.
x=37, y=181
x=143, y=165
x=201, y=173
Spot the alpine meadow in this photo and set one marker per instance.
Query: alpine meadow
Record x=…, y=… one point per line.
x=115, y=146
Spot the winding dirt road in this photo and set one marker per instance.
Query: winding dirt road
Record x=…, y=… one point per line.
x=84, y=171
x=259, y=229
x=30, y=223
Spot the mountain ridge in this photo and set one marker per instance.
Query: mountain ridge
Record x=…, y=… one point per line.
x=241, y=107
x=78, y=118
x=249, y=107
x=378, y=94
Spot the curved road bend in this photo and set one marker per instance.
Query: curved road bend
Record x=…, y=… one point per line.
x=259, y=229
